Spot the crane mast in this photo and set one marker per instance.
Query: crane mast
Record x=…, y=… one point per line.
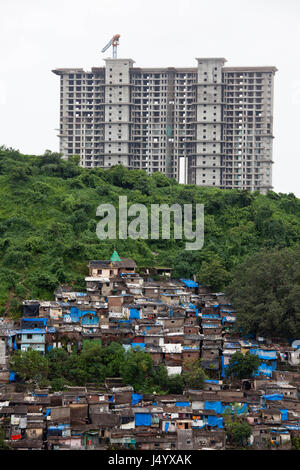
x=114, y=42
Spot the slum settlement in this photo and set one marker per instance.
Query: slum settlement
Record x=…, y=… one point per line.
x=174, y=321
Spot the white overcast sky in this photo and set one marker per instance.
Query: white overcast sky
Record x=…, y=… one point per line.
x=37, y=36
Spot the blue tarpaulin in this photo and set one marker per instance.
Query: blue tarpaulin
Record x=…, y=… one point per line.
x=136, y=345
x=134, y=313
x=243, y=409
x=224, y=366
x=232, y=346
x=31, y=331
x=263, y=354
x=284, y=415
x=88, y=320
x=182, y=403
x=211, y=316
x=192, y=306
x=214, y=405
x=279, y=431
x=264, y=369
x=235, y=409
x=136, y=398
x=12, y=376
x=142, y=419
x=275, y=396
x=228, y=320
x=189, y=283
x=167, y=427
x=76, y=313
x=41, y=320
x=58, y=426
x=215, y=421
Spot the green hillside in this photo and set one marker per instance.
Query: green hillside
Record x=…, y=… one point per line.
x=48, y=224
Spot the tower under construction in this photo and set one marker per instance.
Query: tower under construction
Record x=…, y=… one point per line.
x=208, y=125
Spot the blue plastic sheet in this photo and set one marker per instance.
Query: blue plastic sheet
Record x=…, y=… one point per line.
x=86, y=320
x=142, y=419
x=182, y=403
x=41, y=320
x=284, y=414
x=262, y=354
x=189, y=283
x=224, y=367
x=12, y=376
x=275, y=396
x=264, y=369
x=76, y=313
x=228, y=320
x=134, y=313
x=211, y=316
x=214, y=405
x=59, y=426
x=136, y=398
x=137, y=345
x=215, y=421
x=231, y=409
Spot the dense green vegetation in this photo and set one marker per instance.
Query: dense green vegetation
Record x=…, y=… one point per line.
x=48, y=225
x=265, y=290
x=238, y=432
x=242, y=366
x=94, y=363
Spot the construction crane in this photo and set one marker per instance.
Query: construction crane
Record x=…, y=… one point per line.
x=114, y=42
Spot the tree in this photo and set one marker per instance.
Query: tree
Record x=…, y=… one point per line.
x=58, y=363
x=295, y=442
x=194, y=376
x=237, y=431
x=138, y=370
x=213, y=274
x=18, y=174
x=30, y=365
x=242, y=366
x=3, y=444
x=265, y=291
x=175, y=384
x=113, y=358
x=91, y=362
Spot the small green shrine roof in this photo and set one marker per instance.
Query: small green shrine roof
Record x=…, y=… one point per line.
x=115, y=256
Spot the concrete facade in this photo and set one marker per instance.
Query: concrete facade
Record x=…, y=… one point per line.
x=210, y=125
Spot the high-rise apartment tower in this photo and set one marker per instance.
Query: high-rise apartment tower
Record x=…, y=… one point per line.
x=210, y=125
